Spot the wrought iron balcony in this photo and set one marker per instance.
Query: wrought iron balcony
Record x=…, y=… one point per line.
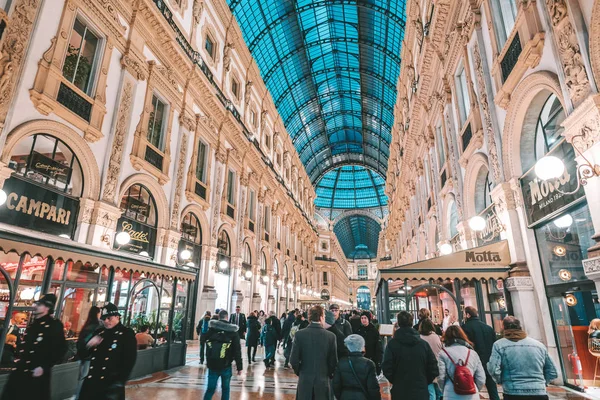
x=74, y=102
x=511, y=57
x=154, y=158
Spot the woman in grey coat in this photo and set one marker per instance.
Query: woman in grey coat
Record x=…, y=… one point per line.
x=458, y=347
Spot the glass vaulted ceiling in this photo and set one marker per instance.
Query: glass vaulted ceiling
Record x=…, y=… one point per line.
x=331, y=67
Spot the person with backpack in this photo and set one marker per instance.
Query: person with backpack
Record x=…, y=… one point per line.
x=483, y=337
x=408, y=362
x=355, y=377
x=521, y=364
x=201, y=329
x=461, y=372
x=222, y=348
x=268, y=338
x=252, y=336
x=299, y=323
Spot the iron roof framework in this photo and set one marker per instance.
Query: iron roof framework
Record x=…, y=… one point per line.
x=358, y=235
x=331, y=67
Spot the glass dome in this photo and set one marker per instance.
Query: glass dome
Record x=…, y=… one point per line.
x=351, y=187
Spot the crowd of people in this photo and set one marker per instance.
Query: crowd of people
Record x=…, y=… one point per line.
x=334, y=354
x=340, y=354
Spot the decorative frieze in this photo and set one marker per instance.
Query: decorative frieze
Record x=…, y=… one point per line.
x=179, y=182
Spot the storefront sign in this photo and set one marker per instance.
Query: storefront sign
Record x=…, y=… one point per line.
x=48, y=167
x=544, y=199
x=493, y=227
x=325, y=294
x=35, y=207
x=143, y=237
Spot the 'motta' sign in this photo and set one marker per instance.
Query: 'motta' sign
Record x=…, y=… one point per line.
x=482, y=256
x=545, y=199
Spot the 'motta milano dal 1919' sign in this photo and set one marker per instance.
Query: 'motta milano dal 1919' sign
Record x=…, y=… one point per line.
x=544, y=199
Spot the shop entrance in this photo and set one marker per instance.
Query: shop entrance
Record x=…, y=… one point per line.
x=442, y=304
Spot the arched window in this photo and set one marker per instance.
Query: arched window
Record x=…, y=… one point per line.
x=223, y=253
x=452, y=220
x=44, y=190
x=191, y=240
x=48, y=161
x=548, y=130
x=275, y=267
x=247, y=254
x=139, y=220
x=483, y=188
x=542, y=129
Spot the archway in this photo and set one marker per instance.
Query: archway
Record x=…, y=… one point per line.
x=223, y=273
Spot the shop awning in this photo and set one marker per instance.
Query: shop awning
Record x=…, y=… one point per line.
x=485, y=262
x=21, y=241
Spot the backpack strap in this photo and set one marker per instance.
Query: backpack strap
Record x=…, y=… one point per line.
x=451, y=360
x=468, y=354
x=362, y=388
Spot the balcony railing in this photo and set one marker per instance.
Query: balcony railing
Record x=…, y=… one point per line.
x=466, y=137
x=74, y=102
x=443, y=178
x=511, y=57
x=200, y=190
x=196, y=58
x=230, y=211
x=154, y=158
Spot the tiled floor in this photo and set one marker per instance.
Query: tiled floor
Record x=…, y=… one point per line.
x=189, y=382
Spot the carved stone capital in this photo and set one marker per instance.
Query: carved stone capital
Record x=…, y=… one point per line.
x=582, y=126
x=519, y=284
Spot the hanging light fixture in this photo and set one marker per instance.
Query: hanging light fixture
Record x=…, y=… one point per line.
x=223, y=264
x=477, y=223
x=185, y=254
x=248, y=274
x=549, y=167
x=446, y=248
x=3, y=197
x=122, y=238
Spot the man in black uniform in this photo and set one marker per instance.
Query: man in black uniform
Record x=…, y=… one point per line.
x=43, y=346
x=113, y=351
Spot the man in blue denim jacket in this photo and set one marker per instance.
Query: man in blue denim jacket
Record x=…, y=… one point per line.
x=521, y=364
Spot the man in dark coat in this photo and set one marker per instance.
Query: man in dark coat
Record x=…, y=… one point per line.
x=331, y=326
x=314, y=358
x=483, y=338
x=223, y=348
x=276, y=324
x=43, y=346
x=408, y=362
x=239, y=319
x=287, y=325
x=342, y=325
x=112, y=351
x=355, y=321
x=373, y=348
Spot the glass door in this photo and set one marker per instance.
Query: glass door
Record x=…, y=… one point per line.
x=572, y=313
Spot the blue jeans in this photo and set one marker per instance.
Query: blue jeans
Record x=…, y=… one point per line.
x=213, y=377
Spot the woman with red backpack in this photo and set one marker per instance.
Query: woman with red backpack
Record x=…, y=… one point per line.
x=461, y=371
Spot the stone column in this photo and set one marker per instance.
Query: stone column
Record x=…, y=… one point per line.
x=524, y=303
x=207, y=295
x=166, y=252
x=236, y=294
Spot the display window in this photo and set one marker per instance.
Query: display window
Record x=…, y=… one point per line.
x=139, y=219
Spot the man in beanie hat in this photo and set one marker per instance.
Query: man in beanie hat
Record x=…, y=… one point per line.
x=112, y=351
x=373, y=348
x=43, y=346
x=331, y=326
x=342, y=325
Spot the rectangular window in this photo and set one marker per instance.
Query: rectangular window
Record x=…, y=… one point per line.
x=504, y=13
x=253, y=118
x=231, y=187
x=268, y=141
x=325, y=278
x=362, y=272
x=267, y=221
x=156, y=123
x=464, y=105
x=235, y=88
x=252, y=205
x=80, y=62
x=201, y=165
x=278, y=159
x=439, y=144
x=209, y=45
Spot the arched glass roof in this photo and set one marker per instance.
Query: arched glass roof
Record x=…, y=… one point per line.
x=331, y=67
x=358, y=235
x=351, y=187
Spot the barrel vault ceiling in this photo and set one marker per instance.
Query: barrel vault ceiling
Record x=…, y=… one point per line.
x=331, y=67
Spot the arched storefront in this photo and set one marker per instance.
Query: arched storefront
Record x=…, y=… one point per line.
x=139, y=220
x=557, y=212
x=44, y=190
